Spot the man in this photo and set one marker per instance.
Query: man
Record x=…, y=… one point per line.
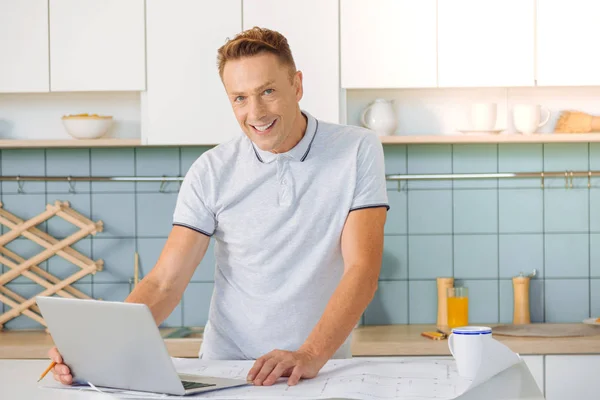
x=297, y=208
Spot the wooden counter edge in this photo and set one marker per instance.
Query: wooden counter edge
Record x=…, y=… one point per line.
x=390, y=340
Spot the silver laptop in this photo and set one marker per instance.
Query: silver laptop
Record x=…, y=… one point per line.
x=118, y=345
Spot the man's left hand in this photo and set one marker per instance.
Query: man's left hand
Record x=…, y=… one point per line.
x=293, y=364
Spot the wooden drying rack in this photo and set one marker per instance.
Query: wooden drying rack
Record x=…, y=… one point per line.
x=29, y=268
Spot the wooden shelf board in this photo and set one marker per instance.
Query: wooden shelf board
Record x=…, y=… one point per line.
x=502, y=138
x=18, y=143
x=395, y=139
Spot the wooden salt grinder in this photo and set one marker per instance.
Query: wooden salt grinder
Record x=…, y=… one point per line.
x=521, y=298
x=442, y=286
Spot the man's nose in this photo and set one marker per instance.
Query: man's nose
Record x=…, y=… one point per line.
x=257, y=110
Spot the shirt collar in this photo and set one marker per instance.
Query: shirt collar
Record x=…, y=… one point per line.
x=300, y=151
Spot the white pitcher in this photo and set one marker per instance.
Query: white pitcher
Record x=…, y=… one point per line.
x=380, y=117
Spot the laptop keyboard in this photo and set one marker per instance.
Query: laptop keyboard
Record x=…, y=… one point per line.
x=195, y=385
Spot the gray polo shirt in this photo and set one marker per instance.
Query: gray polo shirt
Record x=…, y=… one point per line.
x=277, y=221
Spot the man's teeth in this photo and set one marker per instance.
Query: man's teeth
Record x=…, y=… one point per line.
x=263, y=128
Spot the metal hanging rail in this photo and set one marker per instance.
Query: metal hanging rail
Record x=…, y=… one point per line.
x=567, y=175
x=72, y=179
x=19, y=178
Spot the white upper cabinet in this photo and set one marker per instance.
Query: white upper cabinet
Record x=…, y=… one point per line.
x=567, y=42
x=24, y=46
x=311, y=28
x=486, y=43
x=97, y=45
x=185, y=102
x=388, y=43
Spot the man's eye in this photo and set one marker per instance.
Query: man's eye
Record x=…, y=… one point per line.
x=268, y=91
x=239, y=99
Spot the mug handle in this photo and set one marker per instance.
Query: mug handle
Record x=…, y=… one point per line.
x=544, y=122
x=451, y=344
x=364, y=114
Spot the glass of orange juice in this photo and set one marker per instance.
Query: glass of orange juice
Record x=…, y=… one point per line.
x=458, y=307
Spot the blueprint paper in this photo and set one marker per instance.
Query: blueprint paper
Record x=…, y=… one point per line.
x=379, y=378
x=516, y=382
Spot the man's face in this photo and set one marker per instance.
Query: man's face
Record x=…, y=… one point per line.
x=264, y=98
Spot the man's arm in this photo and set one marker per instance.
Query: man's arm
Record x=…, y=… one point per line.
x=362, y=249
x=162, y=288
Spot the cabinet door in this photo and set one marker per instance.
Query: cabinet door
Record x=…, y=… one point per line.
x=572, y=377
x=311, y=28
x=97, y=45
x=486, y=43
x=186, y=102
x=388, y=43
x=536, y=367
x=567, y=42
x=24, y=46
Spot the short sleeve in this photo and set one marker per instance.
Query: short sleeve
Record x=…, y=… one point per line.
x=191, y=209
x=370, y=190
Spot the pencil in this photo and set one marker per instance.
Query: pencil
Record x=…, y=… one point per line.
x=52, y=364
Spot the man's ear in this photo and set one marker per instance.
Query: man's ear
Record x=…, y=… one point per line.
x=298, y=85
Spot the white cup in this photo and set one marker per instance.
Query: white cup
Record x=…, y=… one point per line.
x=483, y=116
x=526, y=118
x=466, y=345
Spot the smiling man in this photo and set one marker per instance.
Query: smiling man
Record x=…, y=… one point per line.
x=296, y=207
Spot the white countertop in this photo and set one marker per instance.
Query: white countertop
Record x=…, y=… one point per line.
x=18, y=380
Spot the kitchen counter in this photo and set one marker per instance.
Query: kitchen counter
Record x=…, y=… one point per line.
x=384, y=340
x=18, y=380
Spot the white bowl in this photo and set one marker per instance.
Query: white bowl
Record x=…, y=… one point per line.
x=87, y=127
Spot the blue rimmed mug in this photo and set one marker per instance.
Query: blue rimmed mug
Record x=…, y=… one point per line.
x=466, y=344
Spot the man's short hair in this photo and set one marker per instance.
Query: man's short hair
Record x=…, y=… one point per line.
x=256, y=41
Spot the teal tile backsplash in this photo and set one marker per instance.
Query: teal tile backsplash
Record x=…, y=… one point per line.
x=111, y=162
x=475, y=158
x=23, y=162
x=482, y=232
x=521, y=253
x=476, y=256
x=520, y=210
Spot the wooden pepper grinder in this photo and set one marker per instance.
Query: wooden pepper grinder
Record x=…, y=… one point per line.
x=521, y=298
x=442, y=286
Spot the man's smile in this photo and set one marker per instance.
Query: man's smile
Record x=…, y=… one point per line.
x=263, y=129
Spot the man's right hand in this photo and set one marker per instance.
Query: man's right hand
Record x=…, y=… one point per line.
x=61, y=371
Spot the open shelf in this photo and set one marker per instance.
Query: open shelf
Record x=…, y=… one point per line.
x=20, y=143
x=501, y=138
x=395, y=139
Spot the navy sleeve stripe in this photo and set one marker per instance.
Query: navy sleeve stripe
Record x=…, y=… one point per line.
x=193, y=228
x=370, y=206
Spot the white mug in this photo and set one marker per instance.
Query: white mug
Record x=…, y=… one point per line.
x=466, y=345
x=526, y=118
x=483, y=116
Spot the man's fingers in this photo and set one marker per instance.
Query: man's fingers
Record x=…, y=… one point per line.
x=265, y=371
x=66, y=379
x=258, y=364
x=54, y=355
x=296, y=375
x=278, y=371
x=63, y=369
x=56, y=376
